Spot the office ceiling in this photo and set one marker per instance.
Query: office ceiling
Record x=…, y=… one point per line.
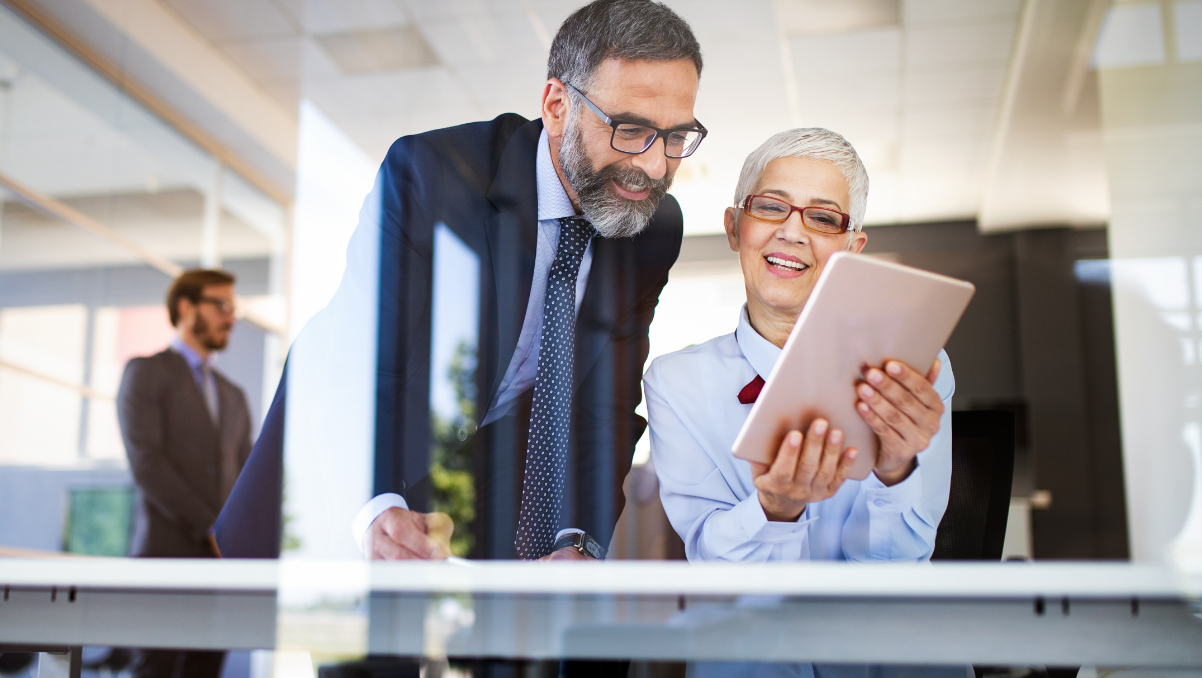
x=923, y=88
x=915, y=85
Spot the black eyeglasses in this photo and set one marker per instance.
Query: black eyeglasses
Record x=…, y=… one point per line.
x=635, y=138
x=223, y=306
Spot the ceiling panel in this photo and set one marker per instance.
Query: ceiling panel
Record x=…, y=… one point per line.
x=960, y=44
x=975, y=121
x=273, y=59
x=916, y=12
x=340, y=16
x=878, y=49
x=220, y=20
x=938, y=88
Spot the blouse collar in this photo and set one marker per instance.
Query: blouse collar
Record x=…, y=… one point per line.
x=760, y=352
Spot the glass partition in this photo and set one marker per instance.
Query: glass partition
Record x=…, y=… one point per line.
x=101, y=204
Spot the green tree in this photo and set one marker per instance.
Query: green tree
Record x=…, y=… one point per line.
x=450, y=462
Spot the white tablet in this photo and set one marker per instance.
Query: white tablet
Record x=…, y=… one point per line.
x=863, y=311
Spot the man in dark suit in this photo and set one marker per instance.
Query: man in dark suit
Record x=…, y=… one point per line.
x=187, y=433
x=574, y=233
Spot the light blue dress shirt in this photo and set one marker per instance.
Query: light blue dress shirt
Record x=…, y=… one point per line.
x=553, y=204
x=708, y=494
x=202, y=372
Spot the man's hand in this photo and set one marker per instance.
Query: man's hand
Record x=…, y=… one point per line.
x=806, y=469
x=401, y=534
x=903, y=410
x=565, y=553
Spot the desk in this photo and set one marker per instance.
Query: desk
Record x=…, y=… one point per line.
x=1005, y=614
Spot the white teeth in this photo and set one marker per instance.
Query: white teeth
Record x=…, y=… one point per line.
x=784, y=263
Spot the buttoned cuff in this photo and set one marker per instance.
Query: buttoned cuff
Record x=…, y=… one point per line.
x=883, y=501
x=756, y=527
x=368, y=514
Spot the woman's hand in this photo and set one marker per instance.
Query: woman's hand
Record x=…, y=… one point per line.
x=903, y=410
x=805, y=470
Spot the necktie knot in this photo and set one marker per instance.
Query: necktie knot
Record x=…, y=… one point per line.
x=574, y=231
x=752, y=390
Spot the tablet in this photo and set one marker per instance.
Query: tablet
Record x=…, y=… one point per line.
x=863, y=311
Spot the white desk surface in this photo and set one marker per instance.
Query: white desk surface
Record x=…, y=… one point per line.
x=641, y=578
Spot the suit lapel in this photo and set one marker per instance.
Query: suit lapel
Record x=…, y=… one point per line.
x=512, y=239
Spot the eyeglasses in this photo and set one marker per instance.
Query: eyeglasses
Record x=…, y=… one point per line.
x=223, y=306
x=820, y=219
x=635, y=138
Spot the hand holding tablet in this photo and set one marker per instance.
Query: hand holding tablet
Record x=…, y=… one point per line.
x=863, y=315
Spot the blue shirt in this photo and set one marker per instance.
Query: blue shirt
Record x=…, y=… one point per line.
x=708, y=494
x=553, y=204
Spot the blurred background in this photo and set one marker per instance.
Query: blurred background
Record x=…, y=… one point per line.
x=1049, y=151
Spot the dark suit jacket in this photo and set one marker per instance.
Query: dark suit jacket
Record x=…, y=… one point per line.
x=175, y=452
x=479, y=180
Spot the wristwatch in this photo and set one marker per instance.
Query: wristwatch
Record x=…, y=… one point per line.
x=584, y=544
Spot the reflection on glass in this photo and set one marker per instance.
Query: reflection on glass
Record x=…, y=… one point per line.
x=453, y=384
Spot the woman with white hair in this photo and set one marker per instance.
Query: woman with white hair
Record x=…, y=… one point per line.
x=801, y=198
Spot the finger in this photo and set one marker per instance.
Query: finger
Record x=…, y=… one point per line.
x=758, y=469
x=898, y=394
x=933, y=373
x=846, y=461
x=917, y=385
x=902, y=418
x=889, y=437
x=786, y=457
x=384, y=547
x=410, y=533
x=811, y=452
x=830, y=458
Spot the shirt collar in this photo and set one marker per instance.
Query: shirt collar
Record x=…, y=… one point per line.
x=758, y=351
x=553, y=202
x=190, y=355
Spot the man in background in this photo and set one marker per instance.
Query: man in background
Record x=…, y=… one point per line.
x=187, y=432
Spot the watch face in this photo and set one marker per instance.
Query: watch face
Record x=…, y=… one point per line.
x=593, y=549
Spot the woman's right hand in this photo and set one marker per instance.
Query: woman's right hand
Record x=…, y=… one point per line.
x=807, y=468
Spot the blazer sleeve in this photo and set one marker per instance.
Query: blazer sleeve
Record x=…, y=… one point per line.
x=143, y=428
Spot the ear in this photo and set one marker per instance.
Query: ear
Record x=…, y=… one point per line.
x=555, y=107
x=858, y=240
x=185, y=310
x=730, y=221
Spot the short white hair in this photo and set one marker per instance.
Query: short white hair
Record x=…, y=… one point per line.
x=809, y=142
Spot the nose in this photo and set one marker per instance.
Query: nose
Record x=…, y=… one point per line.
x=792, y=230
x=652, y=161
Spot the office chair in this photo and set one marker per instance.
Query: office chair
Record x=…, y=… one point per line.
x=974, y=525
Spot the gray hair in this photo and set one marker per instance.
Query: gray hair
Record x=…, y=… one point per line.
x=810, y=142
x=618, y=29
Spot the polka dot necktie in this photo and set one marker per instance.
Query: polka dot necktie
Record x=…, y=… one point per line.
x=551, y=415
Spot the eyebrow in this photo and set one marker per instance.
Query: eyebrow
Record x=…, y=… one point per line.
x=819, y=201
x=647, y=122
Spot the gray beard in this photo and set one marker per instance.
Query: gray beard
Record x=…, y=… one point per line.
x=612, y=215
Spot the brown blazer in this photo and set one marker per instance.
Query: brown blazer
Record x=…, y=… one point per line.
x=175, y=453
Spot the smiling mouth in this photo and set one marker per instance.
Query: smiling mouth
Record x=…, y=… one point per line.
x=786, y=265
x=631, y=192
